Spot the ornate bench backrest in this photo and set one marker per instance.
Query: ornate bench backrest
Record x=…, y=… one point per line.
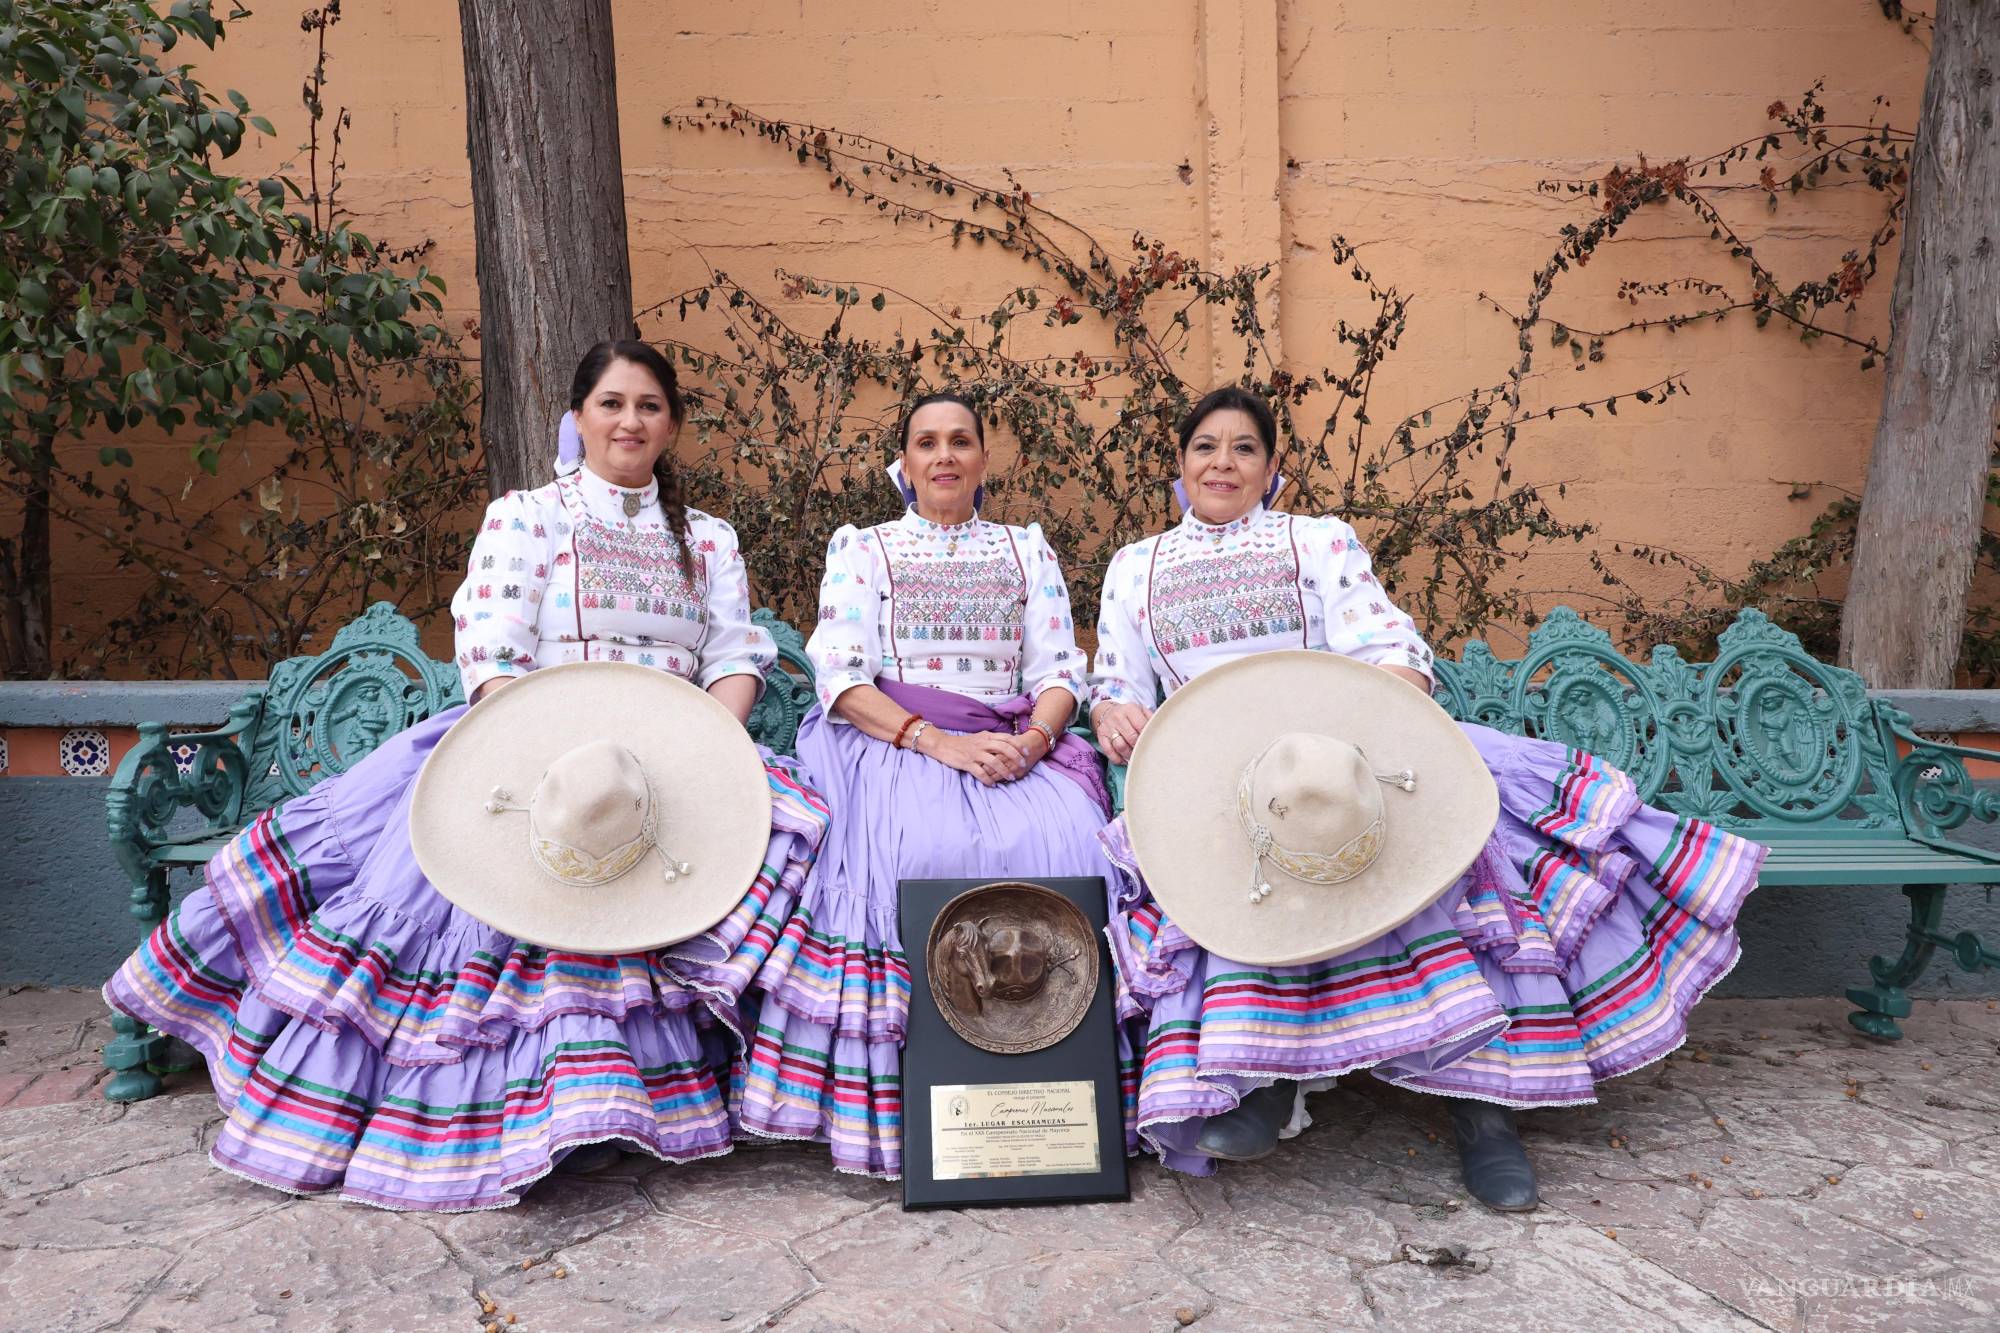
x=322, y=715
x=1763, y=736
x=319, y=716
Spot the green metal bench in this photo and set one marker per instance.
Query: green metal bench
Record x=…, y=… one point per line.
x=1768, y=743
x=314, y=718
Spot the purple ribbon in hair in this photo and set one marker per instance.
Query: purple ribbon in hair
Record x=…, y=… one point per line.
x=1270, y=492
x=569, y=446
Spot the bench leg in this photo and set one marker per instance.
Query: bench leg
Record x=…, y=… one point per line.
x=1880, y=1005
x=131, y=1053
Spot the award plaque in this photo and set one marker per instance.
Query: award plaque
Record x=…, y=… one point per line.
x=1010, y=1069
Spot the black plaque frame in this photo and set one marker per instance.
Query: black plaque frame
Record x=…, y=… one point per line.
x=933, y=1054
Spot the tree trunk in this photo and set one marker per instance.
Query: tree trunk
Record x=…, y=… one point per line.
x=1918, y=531
x=13, y=613
x=27, y=606
x=548, y=201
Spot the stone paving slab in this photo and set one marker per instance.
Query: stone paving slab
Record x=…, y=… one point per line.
x=51, y=1045
x=1780, y=1172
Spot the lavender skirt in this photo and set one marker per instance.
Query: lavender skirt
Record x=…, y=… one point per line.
x=1569, y=953
x=826, y=1059
x=367, y=1037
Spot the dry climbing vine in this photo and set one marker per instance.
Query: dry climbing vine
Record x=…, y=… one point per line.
x=798, y=420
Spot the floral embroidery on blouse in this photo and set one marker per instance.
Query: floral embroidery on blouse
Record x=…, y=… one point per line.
x=1215, y=593
x=978, y=608
x=637, y=571
x=976, y=598
x=1200, y=594
x=565, y=574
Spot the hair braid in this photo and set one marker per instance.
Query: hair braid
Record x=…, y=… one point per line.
x=674, y=504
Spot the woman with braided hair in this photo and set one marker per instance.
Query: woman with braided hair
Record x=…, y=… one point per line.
x=365, y=1035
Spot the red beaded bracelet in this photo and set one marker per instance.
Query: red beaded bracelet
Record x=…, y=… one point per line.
x=901, y=731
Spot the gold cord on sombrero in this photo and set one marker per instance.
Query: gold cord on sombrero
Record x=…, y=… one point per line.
x=573, y=865
x=1335, y=867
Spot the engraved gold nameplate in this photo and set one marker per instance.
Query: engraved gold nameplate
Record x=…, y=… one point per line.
x=981, y=1131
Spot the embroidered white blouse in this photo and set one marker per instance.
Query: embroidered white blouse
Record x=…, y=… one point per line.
x=1199, y=595
x=582, y=570
x=976, y=608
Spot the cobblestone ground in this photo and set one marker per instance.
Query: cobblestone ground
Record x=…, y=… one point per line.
x=1779, y=1172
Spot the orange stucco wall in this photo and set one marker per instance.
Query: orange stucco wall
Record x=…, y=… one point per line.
x=1417, y=129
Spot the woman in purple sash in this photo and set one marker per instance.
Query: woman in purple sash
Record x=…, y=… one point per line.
x=947, y=671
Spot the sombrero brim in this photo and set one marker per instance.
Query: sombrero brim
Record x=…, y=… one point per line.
x=709, y=788
x=1181, y=807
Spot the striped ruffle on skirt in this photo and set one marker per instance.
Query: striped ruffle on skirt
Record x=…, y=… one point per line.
x=365, y=1036
x=1569, y=953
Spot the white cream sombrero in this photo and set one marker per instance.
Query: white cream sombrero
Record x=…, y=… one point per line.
x=1289, y=806
x=598, y=807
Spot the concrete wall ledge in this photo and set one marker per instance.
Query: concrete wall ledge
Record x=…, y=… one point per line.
x=1948, y=710
x=118, y=703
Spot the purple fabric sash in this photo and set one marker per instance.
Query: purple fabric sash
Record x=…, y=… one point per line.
x=1073, y=756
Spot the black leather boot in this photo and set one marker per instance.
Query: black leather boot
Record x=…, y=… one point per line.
x=587, y=1159
x=1490, y=1155
x=1251, y=1130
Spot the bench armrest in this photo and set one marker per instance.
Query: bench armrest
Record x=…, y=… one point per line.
x=149, y=793
x=1934, y=791
x=788, y=687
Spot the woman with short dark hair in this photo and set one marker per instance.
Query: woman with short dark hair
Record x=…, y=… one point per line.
x=1570, y=952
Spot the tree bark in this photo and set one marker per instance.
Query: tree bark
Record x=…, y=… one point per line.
x=37, y=567
x=13, y=614
x=1918, y=531
x=27, y=578
x=548, y=201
